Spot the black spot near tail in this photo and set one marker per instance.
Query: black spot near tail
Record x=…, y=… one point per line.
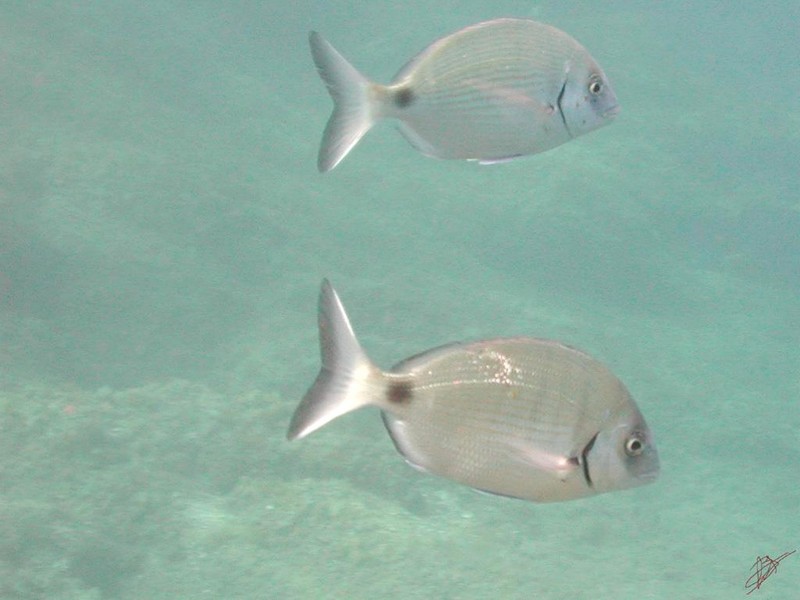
x=404, y=97
x=399, y=392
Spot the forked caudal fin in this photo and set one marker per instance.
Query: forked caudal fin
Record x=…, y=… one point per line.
x=352, y=112
x=347, y=380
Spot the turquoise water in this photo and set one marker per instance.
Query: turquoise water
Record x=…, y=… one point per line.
x=163, y=233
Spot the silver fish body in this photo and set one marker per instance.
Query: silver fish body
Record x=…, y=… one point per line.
x=519, y=417
x=489, y=92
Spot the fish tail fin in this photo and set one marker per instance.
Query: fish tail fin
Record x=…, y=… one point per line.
x=347, y=380
x=352, y=113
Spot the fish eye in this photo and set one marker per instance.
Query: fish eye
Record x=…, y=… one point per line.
x=634, y=445
x=595, y=86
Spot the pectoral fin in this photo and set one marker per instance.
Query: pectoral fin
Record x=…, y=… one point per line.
x=559, y=465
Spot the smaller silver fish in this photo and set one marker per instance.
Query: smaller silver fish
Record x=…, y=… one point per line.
x=519, y=417
x=489, y=92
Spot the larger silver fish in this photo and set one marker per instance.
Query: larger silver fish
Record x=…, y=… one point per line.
x=519, y=417
x=489, y=92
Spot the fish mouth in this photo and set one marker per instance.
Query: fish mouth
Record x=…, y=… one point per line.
x=611, y=112
x=648, y=476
